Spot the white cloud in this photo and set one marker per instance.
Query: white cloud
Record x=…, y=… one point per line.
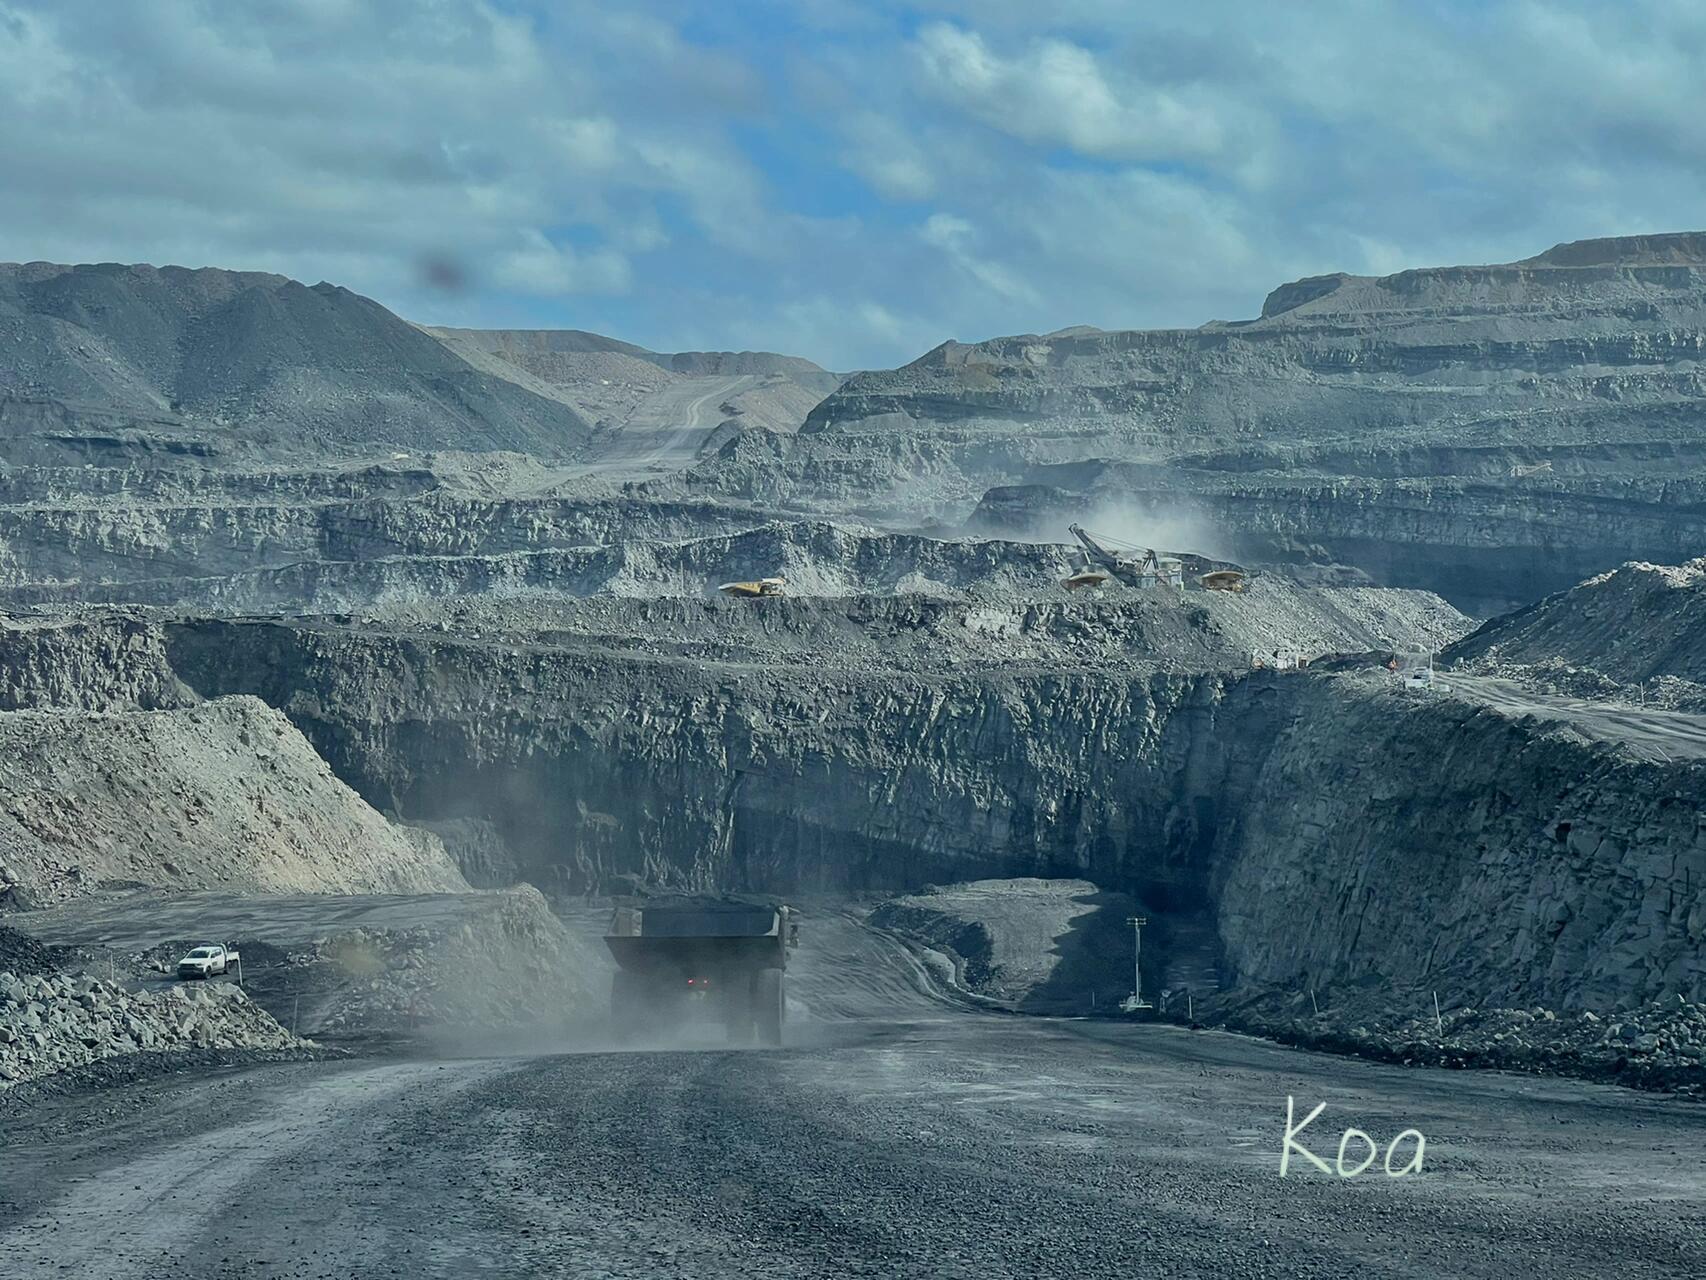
x=1055, y=93
x=958, y=239
x=37, y=73
x=945, y=231
x=849, y=179
x=589, y=145
x=315, y=133
x=538, y=266
x=884, y=153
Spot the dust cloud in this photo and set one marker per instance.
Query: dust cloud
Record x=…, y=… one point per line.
x=1170, y=530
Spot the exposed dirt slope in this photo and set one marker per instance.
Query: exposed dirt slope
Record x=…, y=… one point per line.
x=612, y=383
x=1043, y=946
x=224, y=356
x=227, y=793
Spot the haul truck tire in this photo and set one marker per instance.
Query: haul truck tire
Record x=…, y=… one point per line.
x=767, y=998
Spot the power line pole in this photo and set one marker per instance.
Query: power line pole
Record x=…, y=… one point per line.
x=1136, y=1001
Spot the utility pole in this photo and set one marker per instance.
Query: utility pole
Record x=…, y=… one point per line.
x=1136, y=1001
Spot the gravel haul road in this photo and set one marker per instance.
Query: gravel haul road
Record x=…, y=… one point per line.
x=902, y=1133
x=1650, y=731
x=667, y=429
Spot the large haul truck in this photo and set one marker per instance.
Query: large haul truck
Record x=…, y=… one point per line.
x=682, y=963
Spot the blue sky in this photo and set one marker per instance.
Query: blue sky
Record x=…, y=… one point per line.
x=850, y=181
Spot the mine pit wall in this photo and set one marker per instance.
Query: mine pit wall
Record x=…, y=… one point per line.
x=1485, y=547
x=1444, y=847
x=104, y=663
x=79, y=546
x=736, y=777
x=1342, y=837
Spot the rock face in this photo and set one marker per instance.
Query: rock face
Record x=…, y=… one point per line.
x=129, y=358
x=1448, y=846
x=1330, y=830
x=819, y=560
x=49, y=1022
x=104, y=663
x=226, y=793
x=1487, y=432
x=593, y=763
x=155, y=541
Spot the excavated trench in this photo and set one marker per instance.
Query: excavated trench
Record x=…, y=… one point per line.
x=1332, y=832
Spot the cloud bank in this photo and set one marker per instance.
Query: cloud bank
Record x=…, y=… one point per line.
x=851, y=181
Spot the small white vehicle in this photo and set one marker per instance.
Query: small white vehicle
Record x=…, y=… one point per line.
x=207, y=960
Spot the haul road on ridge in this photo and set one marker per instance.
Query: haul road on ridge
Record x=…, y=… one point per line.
x=695, y=960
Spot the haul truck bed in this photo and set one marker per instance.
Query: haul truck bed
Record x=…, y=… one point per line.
x=680, y=962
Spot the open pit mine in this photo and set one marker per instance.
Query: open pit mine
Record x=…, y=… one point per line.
x=699, y=814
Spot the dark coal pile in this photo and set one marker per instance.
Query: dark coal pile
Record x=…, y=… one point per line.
x=21, y=954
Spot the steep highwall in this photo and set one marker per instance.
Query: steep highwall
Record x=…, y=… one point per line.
x=596, y=764
x=1337, y=832
x=104, y=662
x=1445, y=846
x=1487, y=543
x=126, y=541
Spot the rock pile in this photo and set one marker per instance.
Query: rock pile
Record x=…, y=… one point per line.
x=21, y=954
x=50, y=1022
x=1660, y=1044
x=1638, y=623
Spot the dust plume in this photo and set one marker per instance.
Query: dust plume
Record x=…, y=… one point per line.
x=1167, y=529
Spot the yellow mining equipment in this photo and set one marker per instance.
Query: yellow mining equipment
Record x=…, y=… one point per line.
x=753, y=590
x=1224, y=580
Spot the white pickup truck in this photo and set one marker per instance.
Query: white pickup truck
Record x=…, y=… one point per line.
x=207, y=960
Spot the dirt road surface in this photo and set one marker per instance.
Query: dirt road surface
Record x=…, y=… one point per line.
x=901, y=1133
x=1651, y=731
x=668, y=428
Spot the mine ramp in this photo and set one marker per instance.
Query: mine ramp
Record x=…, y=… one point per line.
x=681, y=964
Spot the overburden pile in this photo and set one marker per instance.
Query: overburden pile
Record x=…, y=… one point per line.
x=52, y=1022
